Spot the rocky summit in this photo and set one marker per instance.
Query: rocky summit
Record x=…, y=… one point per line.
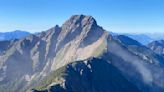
x=79, y=56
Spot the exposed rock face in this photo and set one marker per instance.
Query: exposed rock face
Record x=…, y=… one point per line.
x=36, y=56
x=27, y=61
x=157, y=47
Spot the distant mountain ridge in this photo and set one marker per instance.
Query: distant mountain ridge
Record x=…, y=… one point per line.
x=157, y=46
x=144, y=38
x=17, y=34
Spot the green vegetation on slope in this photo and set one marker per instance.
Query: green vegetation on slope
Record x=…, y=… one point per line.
x=53, y=78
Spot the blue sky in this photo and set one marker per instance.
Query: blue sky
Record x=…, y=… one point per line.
x=134, y=16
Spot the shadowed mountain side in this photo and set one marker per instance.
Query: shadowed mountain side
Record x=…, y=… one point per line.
x=93, y=75
x=140, y=50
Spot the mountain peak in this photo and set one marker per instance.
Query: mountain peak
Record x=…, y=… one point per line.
x=78, y=17
x=82, y=20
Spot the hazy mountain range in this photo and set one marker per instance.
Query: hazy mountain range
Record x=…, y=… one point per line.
x=144, y=38
x=80, y=56
x=17, y=34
